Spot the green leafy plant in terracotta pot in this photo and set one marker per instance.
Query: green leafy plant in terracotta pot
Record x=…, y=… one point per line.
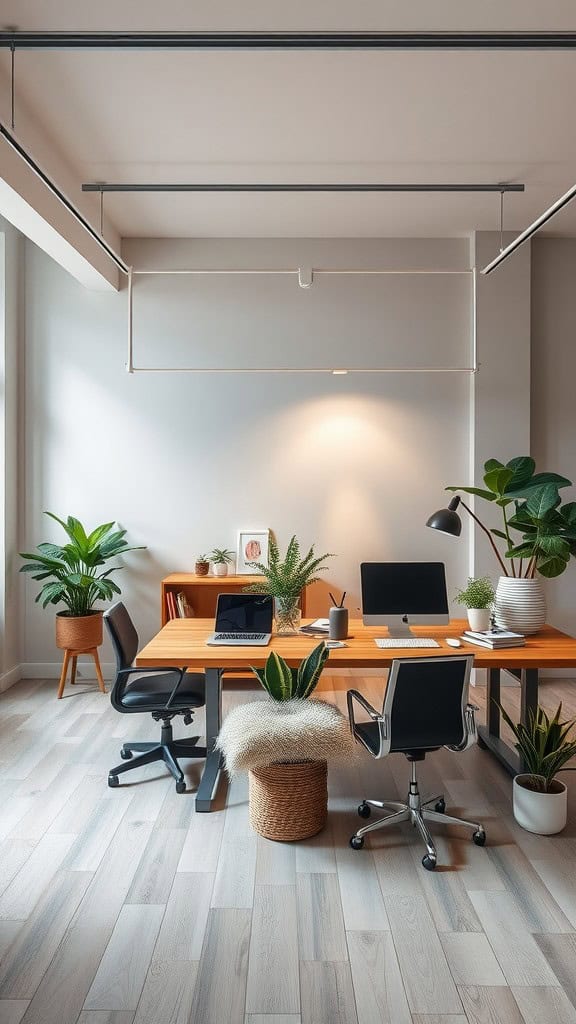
x=538, y=536
x=285, y=579
x=545, y=746
x=478, y=598
x=71, y=574
x=284, y=742
x=221, y=559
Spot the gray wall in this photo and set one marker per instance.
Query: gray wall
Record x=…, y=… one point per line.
x=553, y=388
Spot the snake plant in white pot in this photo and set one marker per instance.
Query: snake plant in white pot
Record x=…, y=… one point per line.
x=540, y=799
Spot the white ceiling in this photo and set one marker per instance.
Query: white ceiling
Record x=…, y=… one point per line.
x=307, y=116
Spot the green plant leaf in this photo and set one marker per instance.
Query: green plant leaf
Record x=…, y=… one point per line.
x=552, y=566
x=568, y=512
x=310, y=670
x=497, y=480
x=278, y=677
x=542, y=500
x=491, y=464
x=523, y=470
x=537, y=481
x=478, y=491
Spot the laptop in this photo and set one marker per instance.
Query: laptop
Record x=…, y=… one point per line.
x=242, y=620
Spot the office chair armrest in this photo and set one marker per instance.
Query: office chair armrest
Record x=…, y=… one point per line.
x=158, y=671
x=376, y=716
x=470, y=730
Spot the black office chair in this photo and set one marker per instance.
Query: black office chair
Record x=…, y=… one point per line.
x=163, y=692
x=425, y=707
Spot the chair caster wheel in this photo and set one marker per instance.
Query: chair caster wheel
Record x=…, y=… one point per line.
x=440, y=806
x=429, y=862
x=364, y=810
x=126, y=754
x=113, y=781
x=479, y=837
x=181, y=786
x=357, y=842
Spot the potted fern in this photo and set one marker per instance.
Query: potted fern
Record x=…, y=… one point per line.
x=540, y=799
x=70, y=575
x=477, y=596
x=221, y=559
x=285, y=579
x=285, y=742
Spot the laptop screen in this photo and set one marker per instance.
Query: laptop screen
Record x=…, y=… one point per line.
x=244, y=613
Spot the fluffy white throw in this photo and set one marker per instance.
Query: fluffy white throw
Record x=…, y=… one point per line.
x=265, y=731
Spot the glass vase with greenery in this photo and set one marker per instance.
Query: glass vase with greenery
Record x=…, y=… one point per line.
x=530, y=505
x=70, y=573
x=285, y=579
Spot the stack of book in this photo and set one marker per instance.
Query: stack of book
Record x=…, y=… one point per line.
x=494, y=639
x=178, y=606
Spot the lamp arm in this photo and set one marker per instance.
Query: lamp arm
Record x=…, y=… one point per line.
x=488, y=534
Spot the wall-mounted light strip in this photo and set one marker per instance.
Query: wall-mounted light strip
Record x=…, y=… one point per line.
x=531, y=230
x=289, y=40
x=301, y=187
x=62, y=198
x=312, y=272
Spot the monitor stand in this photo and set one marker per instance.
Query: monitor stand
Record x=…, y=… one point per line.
x=399, y=628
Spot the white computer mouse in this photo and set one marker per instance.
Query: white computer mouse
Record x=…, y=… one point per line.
x=453, y=642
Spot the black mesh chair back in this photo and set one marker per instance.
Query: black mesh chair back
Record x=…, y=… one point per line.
x=122, y=634
x=426, y=701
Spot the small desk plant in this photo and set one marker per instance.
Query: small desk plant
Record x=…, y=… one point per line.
x=285, y=742
x=285, y=579
x=72, y=575
x=478, y=597
x=221, y=559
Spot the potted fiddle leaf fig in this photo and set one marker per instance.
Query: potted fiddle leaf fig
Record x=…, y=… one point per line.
x=530, y=506
x=221, y=559
x=285, y=742
x=540, y=799
x=71, y=574
x=285, y=579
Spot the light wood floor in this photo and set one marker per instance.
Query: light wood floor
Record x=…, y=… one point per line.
x=125, y=907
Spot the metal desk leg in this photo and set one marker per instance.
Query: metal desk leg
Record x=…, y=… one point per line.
x=528, y=698
x=489, y=734
x=211, y=773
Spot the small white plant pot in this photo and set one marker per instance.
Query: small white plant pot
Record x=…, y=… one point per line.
x=543, y=813
x=479, y=619
x=220, y=568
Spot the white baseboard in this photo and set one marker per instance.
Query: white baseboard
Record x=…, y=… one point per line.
x=7, y=679
x=52, y=670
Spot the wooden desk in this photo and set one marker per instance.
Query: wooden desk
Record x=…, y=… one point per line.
x=183, y=642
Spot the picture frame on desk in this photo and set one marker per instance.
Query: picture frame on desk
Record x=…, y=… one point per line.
x=252, y=547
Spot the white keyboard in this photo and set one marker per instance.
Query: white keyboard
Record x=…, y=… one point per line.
x=390, y=643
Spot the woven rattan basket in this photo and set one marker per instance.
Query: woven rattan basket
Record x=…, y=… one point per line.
x=78, y=632
x=289, y=801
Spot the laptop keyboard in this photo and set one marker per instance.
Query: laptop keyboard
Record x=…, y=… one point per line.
x=240, y=636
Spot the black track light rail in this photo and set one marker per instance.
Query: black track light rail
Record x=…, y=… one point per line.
x=92, y=186
x=288, y=40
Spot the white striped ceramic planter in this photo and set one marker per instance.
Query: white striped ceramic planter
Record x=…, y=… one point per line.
x=520, y=604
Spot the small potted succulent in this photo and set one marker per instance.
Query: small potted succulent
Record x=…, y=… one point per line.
x=70, y=576
x=202, y=566
x=284, y=743
x=221, y=559
x=478, y=598
x=285, y=579
x=540, y=799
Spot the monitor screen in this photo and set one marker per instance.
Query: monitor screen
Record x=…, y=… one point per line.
x=404, y=588
x=239, y=613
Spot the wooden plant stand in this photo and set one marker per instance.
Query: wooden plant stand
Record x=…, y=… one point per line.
x=71, y=655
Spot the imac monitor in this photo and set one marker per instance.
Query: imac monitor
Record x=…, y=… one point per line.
x=395, y=594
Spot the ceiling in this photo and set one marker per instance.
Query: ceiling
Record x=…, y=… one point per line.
x=306, y=116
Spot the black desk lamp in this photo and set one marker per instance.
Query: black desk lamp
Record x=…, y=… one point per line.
x=448, y=521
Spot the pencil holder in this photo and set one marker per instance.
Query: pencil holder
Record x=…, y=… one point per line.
x=338, y=623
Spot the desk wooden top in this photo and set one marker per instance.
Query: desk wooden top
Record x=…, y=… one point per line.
x=183, y=642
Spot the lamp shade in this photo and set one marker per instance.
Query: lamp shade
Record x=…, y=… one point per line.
x=447, y=520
